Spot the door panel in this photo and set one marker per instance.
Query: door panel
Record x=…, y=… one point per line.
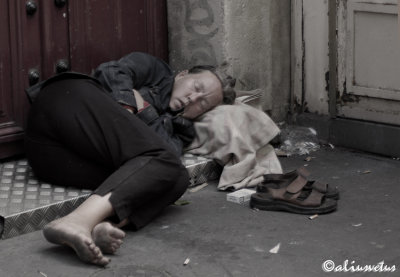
x=375, y=52
x=15, y=65
x=5, y=68
x=54, y=38
x=31, y=43
x=25, y=47
x=78, y=35
x=369, y=82
x=157, y=28
x=106, y=30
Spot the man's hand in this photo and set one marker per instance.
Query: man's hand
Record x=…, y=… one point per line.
x=184, y=129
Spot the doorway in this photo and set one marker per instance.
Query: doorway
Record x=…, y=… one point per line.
x=40, y=38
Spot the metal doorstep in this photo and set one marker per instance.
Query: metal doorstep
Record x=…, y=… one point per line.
x=27, y=204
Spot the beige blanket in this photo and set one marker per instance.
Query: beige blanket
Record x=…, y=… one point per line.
x=237, y=137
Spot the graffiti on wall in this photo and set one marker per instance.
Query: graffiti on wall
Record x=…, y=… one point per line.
x=199, y=23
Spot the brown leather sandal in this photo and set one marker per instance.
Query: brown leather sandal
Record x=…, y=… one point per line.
x=283, y=180
x=293, y=198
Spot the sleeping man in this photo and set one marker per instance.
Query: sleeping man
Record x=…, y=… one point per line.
x=111, y=133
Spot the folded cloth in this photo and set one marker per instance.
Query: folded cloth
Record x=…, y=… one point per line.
x=237, y=137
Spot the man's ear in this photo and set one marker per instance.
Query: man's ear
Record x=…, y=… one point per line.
x=181, y=74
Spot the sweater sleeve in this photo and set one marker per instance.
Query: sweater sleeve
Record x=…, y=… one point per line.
x=133, y=71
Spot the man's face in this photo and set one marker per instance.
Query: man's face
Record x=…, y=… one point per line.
x=197, y=93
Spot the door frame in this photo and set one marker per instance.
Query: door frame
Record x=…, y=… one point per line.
x=356, y=134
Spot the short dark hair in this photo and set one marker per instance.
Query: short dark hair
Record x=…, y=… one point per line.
x=227, y=82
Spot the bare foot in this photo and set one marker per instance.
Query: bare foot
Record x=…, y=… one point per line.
x=66, y=232
x=107, y=237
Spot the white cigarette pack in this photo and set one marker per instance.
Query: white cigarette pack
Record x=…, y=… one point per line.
x=240, y=196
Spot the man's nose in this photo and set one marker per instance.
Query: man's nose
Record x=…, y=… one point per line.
x=194, y=97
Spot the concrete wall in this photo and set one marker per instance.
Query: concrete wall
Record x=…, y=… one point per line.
x=253, y=37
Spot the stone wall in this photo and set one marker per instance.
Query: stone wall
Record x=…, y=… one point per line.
x=196, y=32
x=252, y=37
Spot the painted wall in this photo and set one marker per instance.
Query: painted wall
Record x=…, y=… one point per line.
x=316, y=56
x=252, y=37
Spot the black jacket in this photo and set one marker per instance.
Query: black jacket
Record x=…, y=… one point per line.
x=154, y=80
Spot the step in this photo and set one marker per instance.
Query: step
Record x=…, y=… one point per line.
x=27, y=204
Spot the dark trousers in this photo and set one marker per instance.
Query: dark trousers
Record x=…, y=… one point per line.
x=78, y=136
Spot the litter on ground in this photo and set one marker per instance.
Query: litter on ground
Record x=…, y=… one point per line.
x=275, y=249
x=313, y=217
x=186, y=262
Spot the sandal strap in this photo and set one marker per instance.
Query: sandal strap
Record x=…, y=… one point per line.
x=321, y=187
x=286, y=176
x=280, y=177
x=303, y=172
x=314, y=199
x=292, y=190
x=297, y=185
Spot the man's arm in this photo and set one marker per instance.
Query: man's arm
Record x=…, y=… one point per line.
x=119, y=81
x=141, y=72
x=133, y=71
x=176, y=131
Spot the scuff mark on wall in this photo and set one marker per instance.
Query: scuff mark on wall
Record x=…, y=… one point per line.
x=349, y=98
x=199, y=23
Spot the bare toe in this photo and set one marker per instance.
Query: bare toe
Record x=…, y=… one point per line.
x=97, y=252
x=117, y=233
x=73, y=235
x=104, y=261
x=106, y=236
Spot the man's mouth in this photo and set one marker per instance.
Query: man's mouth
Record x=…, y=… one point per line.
x=181, y=104
x=178, y=105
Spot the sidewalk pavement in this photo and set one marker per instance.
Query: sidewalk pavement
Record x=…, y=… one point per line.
x=226, y=239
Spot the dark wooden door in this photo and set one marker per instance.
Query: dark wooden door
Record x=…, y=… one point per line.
x=39, y=38
x=110, y=29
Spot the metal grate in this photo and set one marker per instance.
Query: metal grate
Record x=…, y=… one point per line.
x=27, y=204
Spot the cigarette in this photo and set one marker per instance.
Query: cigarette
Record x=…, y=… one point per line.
x=313, y=216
